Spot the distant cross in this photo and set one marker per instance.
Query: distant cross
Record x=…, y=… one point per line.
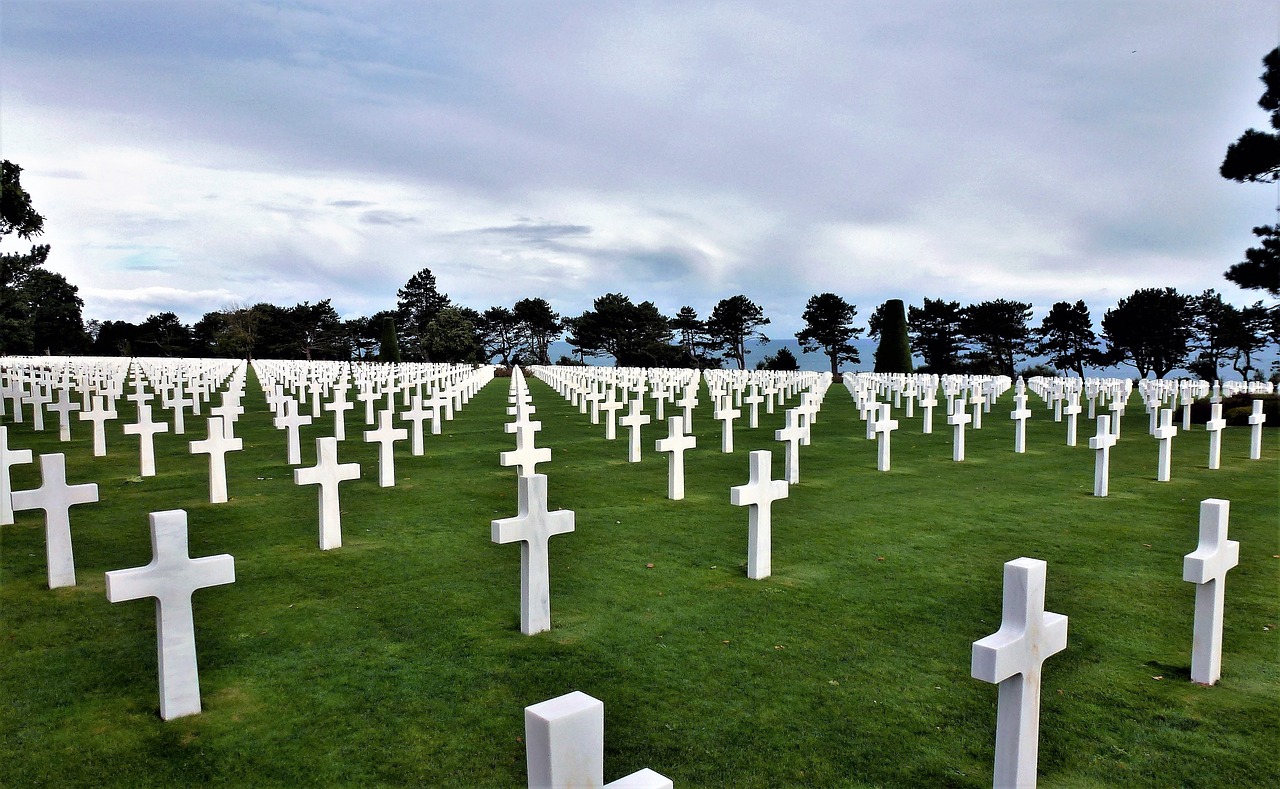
x=958, y=419
x=229, y=410
x=676, y=443
x=688, y=402
x=1164, y=434
x=753, y=400
x=525, y=457
x=928, y=402
x=1256, y=421
x=807, y=412
x=216, y=446
x=1013, y=657
x=1116, y=407
x=725, y=415
x=327, y=473
x=792, y=434
x=1020, y=415
x=533, y=527
x=884, y=426
x=978, y=400
x=8, y=458
x=386, y=436
x=633, y=420
x=340, y=406
x=610, y=407
x=98, y=415
x=758, y=495
x=56, y=498
x=1072, y=412
x=145, y=430
x=1102, y=444
x=1215, y=426
x=1207, y=567
x=38, y=398
x=63, y=407
x=290, y=423
x=368, y=396
x=170, y=578
x=415, y=415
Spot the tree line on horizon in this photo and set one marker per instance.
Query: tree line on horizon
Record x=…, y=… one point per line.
x=1156, y=330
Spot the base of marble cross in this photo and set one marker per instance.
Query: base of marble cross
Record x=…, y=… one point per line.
x=170, y=578
x=1207, y=567
x=1013, y=657
x=564, y=746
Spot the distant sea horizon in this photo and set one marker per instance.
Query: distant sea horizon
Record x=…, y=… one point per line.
x=818, y=362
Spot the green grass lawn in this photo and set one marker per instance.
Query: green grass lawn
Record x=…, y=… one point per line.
x=397, y=659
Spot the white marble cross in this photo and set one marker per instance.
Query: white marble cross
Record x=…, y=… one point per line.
x=146, y=430
x=1102, y=444
x=1117, y=412
x=564, y=746
x=327, y=473
x=1215, y=425
x=8, y=458
x=676, y=443
x=725, y=415
x=978, y=400
x=633, y=420
x=759, y=494
x=533, y=527
x=1072, y=412
x=1256, y=420
x=688, y=401
x=792, y=434
x=63, y=407
x=610, y=407
x=98, y=415
x=753, y=401
x=170, y=578
x=1020, y=415
x=1207, y=567
x=340, y=406
x=526, y=456
x=415, y=416
x=958, y=419
x=386, y=436
x=928, y=402
x=1164, y=434
x=884, y=427
x=1012, y=657
x=290, y=422
x=216, y=446
x=56, y=498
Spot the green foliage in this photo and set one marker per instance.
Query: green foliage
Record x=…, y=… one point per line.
x=1255, y=158
x=397, y=659
x=935, y=335
x=499, y=334
x=998, y=334
x=1066, y=336
x=539, y=326
x=452, y=337
x=733, y=321
x=783, y=360
x=696, y=344
x=1151, y=329
x=417, y=305
x=389, y=348
x=829, y=327
x=635, y=335
x=893, y=355
x=17, y=215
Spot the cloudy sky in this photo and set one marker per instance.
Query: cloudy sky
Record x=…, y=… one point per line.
x=192, y=155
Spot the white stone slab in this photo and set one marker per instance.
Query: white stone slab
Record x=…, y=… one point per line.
x=564, y=747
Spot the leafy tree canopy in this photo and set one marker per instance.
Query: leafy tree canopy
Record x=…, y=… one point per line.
x=829, y=327
x=733, y=321
x=1151, y=329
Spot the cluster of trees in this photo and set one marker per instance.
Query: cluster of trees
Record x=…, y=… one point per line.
x=1255, y=158
x=1156, y=330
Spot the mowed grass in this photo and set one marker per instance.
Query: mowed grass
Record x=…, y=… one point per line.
x=397, y=659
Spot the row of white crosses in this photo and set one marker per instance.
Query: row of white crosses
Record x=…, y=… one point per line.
x=534, y=525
